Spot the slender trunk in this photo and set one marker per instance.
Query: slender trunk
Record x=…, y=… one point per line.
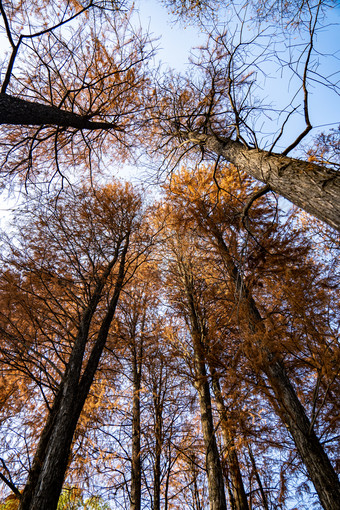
x=230, y=493
x=314, y=188
x=197, y=499
x=158, y=410
x=288, y=404
x=167, y=481
x=239, y=497
x=217, y=498
x=258, y=479
x=46, y=478
x=136, y=477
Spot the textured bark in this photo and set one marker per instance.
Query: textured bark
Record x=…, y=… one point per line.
x=136, y=476
x=314, y=188
x=50, y=462
x=287, y=403
x=237, y=488
x=217, y=499
x=20, y=112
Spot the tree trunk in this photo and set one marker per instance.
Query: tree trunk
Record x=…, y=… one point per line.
x=50, y=462
x=136, y=476
x=217, y=498
x=158, y=410
x=238, y=493
x=314, y=188
x=288, y=404
x=20, y=112
x=196, y=495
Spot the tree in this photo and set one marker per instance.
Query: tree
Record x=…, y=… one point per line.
x=135, y=326
x=214, y=113
x=83, y=90
x=183, y=274
x=133, y=385
x=92, y=260
x=218, y=219
x=197, y=300
x=93, y=101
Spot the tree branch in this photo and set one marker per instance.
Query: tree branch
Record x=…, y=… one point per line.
x=8, y=482
x=16, y=111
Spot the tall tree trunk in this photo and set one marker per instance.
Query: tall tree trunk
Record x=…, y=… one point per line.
x=50, y=462
x=158, y=431
x=136, y=476
x=217, y=498
x=314, y=188
x=238, y=493
x=287, y=402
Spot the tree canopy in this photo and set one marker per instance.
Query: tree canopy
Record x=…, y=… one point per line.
x=172, y=343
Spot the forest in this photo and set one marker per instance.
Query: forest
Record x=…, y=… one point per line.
x=169, y=341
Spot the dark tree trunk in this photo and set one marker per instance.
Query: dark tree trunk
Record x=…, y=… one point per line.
x=20, y=112
x=217, y=498
x=158, y=431
x=239, y=497
x=50, y=462
x=314, y=188
x=287, y=403
x=136, y=476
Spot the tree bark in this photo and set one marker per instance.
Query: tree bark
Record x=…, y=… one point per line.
x=20, y=112
x=158, y=431
x=314, y=188
x=290, y=409
x=136, y=476
x=217, y=499
x=238, y=493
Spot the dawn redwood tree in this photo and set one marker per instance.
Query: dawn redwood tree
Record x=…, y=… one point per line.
x=237, y=490
x=202, y=312
x=218, y=215
x=72, y=261
x=184, y=282
x=71, y=87
x=75, y=101
x=216, y=112
x=167, y=410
